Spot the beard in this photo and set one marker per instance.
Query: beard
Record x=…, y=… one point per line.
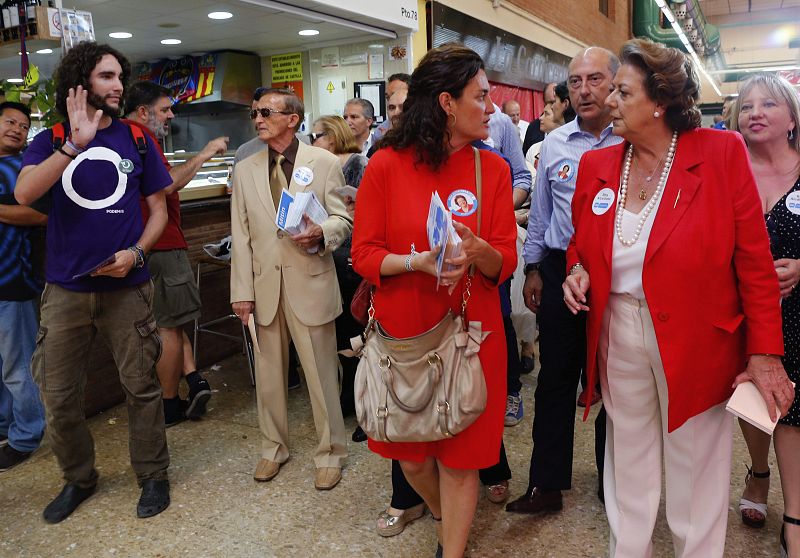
x=160, y=130
x=100, y=104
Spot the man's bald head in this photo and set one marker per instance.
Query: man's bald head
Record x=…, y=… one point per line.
x=511, y=108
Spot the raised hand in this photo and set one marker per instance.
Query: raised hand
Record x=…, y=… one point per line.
x=82, y=127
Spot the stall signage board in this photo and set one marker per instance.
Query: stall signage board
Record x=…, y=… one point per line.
x=287, y=67
x=402, y=13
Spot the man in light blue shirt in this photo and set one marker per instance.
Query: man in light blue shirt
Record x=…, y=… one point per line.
x=562, y=336
x=504, y=136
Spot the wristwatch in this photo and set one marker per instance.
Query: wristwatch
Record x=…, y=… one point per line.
x=532, y=267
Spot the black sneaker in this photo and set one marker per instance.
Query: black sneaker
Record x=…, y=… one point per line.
x=199, y=394
x=3, y=441
x=10, y=458
x=174, y=411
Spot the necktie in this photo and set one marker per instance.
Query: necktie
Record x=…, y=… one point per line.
x=277, y=180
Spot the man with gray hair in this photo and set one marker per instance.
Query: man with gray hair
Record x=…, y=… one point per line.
x=562, y=336
x=359, y=115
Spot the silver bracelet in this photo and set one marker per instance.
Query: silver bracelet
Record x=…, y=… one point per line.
x=410, y=257
x=575, y=268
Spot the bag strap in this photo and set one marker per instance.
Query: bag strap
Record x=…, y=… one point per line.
x=58, y=135
x=471, y=273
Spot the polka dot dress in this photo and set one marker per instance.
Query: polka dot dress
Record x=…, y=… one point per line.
x=784, y=234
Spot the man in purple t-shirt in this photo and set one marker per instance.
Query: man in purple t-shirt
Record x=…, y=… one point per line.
x=96, y=279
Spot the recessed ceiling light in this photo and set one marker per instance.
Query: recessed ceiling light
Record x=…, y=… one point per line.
x=120, y=35
x=14, y=80
x=170, y=41
x=45, y=51
x=308, y=32
x=220, y=15
x=376, y=45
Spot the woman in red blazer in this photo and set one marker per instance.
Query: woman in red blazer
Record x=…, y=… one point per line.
x=683, y=302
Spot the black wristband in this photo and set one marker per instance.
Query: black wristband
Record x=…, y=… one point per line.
x=531, y=267
x=61, y=150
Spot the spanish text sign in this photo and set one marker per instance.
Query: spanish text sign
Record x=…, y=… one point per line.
x=287, y=67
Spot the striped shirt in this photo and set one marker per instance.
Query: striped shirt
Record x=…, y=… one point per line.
x=21, y=248
x=550, y=219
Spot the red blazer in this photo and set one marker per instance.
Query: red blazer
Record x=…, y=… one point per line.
x=708, y=275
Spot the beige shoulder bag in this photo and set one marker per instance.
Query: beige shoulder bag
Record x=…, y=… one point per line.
x=423, y=388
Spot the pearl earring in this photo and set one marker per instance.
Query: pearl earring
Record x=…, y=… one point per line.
x=656, y=114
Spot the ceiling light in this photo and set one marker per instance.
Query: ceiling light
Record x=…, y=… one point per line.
x=14, y=80
x=220, y=15
x=45, y=51
x=170, y=41
x=120, y=35
x=308, y=32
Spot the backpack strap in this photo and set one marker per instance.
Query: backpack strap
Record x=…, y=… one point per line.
x=59, y=135
x=138, y=138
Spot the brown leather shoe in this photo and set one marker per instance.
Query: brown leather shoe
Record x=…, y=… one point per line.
x=266, y=470
x=536, y=502
x=327, y=477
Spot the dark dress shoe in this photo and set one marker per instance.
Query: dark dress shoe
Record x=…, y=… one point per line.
x=527, y=364
x=359, y=435
x=66, y=502
x=154, y=498
x=536, y=502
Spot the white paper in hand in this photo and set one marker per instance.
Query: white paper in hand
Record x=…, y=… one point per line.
x=748, y=404
x=251, y=326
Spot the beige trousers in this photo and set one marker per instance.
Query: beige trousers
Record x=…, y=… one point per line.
x=696, y=456
x=316, y=348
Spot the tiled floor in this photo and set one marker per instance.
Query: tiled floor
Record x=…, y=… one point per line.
x=219, y=511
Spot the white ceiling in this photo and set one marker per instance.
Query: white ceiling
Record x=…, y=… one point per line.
x=727, y=7
x=252, y=28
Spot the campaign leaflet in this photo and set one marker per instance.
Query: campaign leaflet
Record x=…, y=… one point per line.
x=289, y=216
x=442, y=234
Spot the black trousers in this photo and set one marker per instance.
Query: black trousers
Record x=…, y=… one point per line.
x=562, y=350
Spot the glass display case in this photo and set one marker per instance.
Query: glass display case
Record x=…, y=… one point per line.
x=211, y=181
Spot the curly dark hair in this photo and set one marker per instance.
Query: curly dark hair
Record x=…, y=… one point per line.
x=423, y=122
x=670, y=80
x=76, y=68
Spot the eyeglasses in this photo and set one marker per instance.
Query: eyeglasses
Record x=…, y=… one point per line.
x=314, y=135
x=265, y=112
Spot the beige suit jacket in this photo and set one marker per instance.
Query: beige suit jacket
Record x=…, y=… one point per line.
x=262, y=255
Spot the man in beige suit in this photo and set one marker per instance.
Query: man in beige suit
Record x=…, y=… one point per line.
x=293, y=294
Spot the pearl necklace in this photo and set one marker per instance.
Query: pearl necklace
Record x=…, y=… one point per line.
x=623, y=192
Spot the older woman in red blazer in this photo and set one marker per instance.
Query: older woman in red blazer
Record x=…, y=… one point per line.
x=683, y=303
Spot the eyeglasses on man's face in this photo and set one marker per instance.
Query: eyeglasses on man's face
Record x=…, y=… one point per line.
x=265, y=112
x=313, y=136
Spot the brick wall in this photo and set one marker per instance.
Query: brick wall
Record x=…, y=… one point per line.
x=582, y=19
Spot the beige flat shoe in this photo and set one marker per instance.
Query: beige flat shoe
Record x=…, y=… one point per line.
x=389, y=525
x=266, y=470
x=327, y=477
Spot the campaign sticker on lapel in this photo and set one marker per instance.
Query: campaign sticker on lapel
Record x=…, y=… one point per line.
x=603, y=201
x=565, y=171
x=126, y=166
x=462, y=203
x=793, y=202
x=303, y=176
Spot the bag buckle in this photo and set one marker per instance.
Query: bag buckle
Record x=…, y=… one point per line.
x=385, y=362
x=434, y=359
x=443, y=407
x=382, y=412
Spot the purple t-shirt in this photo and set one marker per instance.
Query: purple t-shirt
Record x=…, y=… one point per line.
x=95, y=209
